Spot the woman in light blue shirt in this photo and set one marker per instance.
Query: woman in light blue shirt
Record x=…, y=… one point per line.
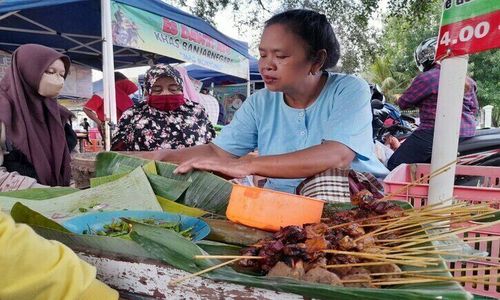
x=304, y=122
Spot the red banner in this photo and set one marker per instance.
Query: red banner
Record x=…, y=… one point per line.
x=469, y=36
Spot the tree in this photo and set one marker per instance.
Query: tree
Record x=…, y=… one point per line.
x=350, y=19
x=485, y=70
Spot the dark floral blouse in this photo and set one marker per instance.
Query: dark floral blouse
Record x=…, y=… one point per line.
x=144, y=128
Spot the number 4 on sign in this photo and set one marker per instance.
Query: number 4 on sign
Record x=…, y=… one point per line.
x=445, y=39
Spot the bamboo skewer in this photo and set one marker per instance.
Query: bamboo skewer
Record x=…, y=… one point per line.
x=477, y=240
x=433, y=279
x=177, y=281
x=453, y=254
x=364, y=264
x=420, y=180
x=398, y=256
x=227, y=257
x=434, y=271
x=451, y=233
x=474, y=279
x=466, y=240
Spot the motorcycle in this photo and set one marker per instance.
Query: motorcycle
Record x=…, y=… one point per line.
x=483, y=149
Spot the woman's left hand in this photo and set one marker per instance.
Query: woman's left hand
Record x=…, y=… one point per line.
x=232, y=167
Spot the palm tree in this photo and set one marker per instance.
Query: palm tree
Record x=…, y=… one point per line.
x=391, y=82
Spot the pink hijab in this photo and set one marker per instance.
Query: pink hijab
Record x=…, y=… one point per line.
x=35, y=124
x=188, y=87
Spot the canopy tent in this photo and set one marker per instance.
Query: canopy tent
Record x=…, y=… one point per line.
x=120, y=33
x=209, y=77
x=74, y=28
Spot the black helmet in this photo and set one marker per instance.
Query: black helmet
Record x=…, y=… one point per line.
x=425, y=52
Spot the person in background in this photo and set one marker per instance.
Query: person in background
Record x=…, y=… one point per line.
x=211, y=106
x=423, y=93
x=36, y=268
x=85, y=124
x=166, y=120
x=35, y=134
x=222, y=115
x=306, y=121
x=94, y=108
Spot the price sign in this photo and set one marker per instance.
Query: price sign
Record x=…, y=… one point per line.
x=468, y=26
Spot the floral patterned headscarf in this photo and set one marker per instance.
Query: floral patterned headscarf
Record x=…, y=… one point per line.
x=158, y=71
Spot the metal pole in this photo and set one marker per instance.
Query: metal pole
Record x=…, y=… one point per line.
x=108, y=71
x=447, y=126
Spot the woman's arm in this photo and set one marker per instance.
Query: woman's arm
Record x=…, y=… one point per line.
x=303, y=163
x=179, y=156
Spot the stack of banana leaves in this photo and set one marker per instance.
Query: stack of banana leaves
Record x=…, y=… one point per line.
x=124, y=182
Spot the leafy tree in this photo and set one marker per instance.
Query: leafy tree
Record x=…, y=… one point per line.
x=485, y=69
x=385, y=57
x=350, y=19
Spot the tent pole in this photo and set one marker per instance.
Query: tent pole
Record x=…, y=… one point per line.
x=447, y=126
x=248, y=81
x=108, y=71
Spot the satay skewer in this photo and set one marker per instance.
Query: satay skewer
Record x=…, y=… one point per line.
x=433, y=279
x=450, y=233
x=420, y=180
x=177, y=281
x=227, y=257
x=434, y=271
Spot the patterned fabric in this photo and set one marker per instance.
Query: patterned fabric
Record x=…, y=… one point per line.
x=13, y=181
x=144, y=128
x=159, y=71
x=337, y=185
x=331, y=185
x=365, y=181
x=211, y=105
x=423, y=94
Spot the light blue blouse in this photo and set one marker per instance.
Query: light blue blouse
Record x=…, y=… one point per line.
x=341, y=113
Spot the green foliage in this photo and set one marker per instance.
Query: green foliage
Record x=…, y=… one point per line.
x=485, y=69
x=405, y=24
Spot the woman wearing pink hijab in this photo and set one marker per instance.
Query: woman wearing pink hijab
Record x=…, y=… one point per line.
x=32, y=122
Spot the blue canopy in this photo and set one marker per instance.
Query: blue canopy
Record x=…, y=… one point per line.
x=74, y=28
x=208, y=76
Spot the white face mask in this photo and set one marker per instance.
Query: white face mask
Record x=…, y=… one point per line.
x=51, y=85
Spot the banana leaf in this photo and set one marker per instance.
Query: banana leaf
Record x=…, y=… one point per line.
x=150, y=168
x=97, y=181
x=216, y=248
x=172, y=249
x=40, y=193
x=108, y=163
x=207, y=191
x=168, y=188
x=131, y=192
x=23, y=214
x=174, y=207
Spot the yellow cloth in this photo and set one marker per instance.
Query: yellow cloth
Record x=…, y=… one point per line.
x=32, y=267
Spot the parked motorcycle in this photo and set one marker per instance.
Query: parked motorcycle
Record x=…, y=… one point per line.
x=483, y=149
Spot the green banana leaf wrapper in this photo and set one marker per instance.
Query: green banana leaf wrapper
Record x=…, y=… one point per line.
x=170, y=248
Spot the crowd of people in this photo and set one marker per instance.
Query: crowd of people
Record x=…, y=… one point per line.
x=308, y=126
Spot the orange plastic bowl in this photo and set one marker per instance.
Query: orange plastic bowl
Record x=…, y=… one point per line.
x=270, y=210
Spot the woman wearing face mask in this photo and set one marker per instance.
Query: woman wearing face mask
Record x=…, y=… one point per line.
x=305, y=122
x=166, y=120
x=33, y=139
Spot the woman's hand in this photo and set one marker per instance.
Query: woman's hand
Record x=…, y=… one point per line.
x=230, y=167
